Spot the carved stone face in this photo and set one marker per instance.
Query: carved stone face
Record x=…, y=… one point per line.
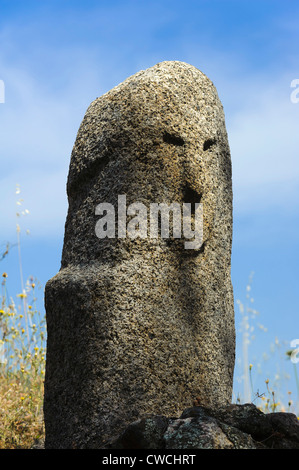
x=158, y=137
x=149, y=324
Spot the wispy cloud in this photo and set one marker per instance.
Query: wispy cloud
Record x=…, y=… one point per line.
x=264, y=144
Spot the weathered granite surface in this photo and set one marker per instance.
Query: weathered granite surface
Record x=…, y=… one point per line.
x=138, y=326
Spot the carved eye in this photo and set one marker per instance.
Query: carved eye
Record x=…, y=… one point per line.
x=173, y=139
x=208, y=144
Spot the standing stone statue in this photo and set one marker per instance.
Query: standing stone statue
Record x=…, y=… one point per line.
x=142, y=324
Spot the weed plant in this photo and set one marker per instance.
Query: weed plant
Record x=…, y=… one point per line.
x=22, y=359
x=273, y=395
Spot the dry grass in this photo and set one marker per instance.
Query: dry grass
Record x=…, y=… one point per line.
x=20, y=413
x=22, y=366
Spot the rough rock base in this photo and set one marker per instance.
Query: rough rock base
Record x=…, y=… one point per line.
x=231, y=427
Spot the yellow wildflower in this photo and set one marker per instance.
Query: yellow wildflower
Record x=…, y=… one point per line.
x=22, y=296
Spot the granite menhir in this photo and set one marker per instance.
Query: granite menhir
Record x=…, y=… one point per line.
x=142, y=325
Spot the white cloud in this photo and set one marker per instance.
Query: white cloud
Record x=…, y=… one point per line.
x=38, y=127
x=43, y=194
x=264, y=143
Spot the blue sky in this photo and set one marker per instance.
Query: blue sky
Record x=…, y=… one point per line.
x=57, y=56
